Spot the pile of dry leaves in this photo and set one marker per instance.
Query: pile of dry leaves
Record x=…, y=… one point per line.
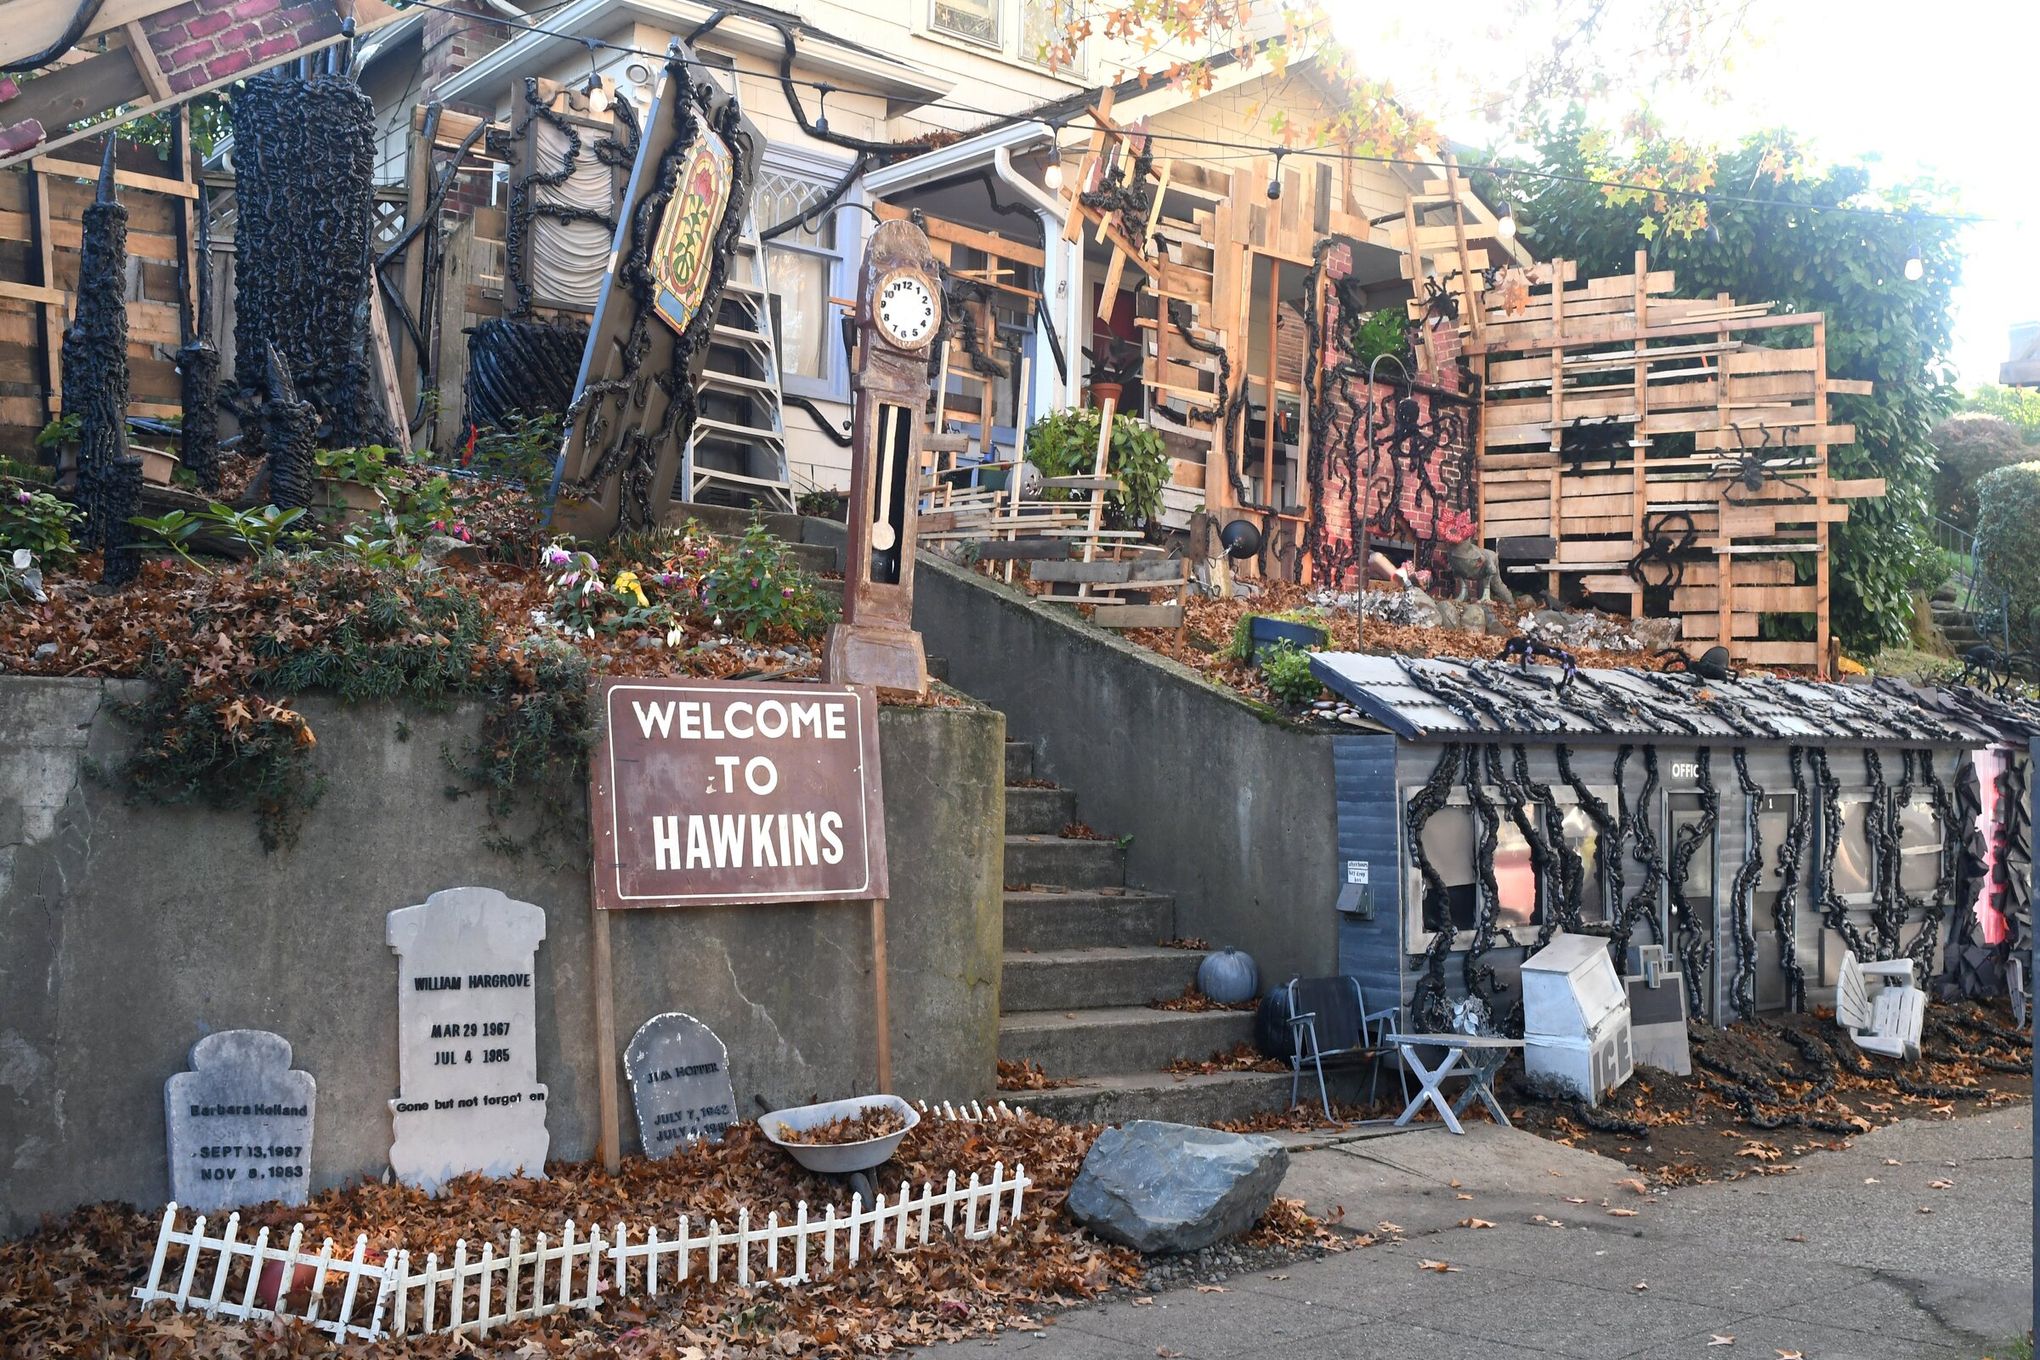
x=65, y=1290
x=878, y=1122
x=1190, y=999
x=1239, y=1058
x=1027, y=1075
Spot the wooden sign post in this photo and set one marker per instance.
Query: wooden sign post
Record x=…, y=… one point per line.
x=899, y=315
x=712, y=793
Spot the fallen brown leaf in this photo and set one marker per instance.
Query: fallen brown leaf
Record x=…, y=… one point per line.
x=1940, y=1185
x=1213, y=1289
x=1439, y=1266
x=1716, y=1339
x=1475, y=1223
x=1641, y=1286
x=1144, y=1301
x=1622, y=1213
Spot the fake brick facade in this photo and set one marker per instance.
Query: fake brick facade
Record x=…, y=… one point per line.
x=1419, y=478
x=209, y=40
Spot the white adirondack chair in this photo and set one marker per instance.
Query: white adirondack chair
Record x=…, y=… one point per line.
x=1887, y=1021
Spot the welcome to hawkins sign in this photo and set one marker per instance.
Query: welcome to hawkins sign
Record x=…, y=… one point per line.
x=712, y=792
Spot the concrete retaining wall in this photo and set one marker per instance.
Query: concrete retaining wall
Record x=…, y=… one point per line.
x=127, y=931
x=1230, y=808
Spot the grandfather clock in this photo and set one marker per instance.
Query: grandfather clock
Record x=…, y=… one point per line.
x=899, y=315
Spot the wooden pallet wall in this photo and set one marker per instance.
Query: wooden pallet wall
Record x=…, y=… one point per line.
x=42, y=205
x=1615, y=422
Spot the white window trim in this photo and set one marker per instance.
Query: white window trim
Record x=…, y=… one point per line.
x=1012, y=45
x=849, y=250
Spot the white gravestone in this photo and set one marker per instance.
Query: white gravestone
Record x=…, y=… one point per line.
x=467, y=1048
x=679, y=1082
x=240, y=1123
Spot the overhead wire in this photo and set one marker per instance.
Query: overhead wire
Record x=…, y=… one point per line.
x=1256, y=150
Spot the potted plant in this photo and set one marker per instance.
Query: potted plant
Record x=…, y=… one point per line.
x=1065, y=444
x=1256, y=633
x=350, y=482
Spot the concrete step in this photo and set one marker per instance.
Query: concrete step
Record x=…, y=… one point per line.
x=1118, y=1039
x=1071, y=979
x=1217, y=1098
x=1019, y=760
x=1062, y=863
x=1087, y=920
x=729, y=521
x=1038, y=812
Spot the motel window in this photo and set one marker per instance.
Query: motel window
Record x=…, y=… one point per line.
x=1585, y=839
x=977, y=20
x=1449, y=839
x=1919, y=848
x=804, y=268
x=1852, y=869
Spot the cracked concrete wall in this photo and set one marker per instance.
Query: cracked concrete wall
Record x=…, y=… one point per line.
x=129, y=930
x=1231, y=809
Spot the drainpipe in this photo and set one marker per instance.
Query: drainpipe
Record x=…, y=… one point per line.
x=1062, y=288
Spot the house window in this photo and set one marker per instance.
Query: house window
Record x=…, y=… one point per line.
x=1045, y=25
x=1449, y=840
x=1585, y=840
x=803, y=269
x=977, y=20
x=1852, y=869
x=1919, y=849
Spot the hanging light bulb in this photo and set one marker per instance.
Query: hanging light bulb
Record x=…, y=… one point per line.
x=1505, y=225
x=823, y=91
x=598, y=96
x=1275, y=184
x=1052, y=175
x=1915, y=267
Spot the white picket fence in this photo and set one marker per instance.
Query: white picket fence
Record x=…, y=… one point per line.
x=381, y=1295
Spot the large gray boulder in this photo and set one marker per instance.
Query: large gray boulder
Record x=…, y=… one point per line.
x=1160, y=1187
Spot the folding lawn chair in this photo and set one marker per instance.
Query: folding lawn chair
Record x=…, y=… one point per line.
x=1328, y=1018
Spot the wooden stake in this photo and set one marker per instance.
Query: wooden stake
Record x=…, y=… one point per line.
x=881, y=1000
x=609, y=1146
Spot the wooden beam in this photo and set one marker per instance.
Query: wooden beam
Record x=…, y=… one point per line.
x=146, y=65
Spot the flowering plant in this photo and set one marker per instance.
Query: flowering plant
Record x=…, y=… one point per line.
x=40, y=522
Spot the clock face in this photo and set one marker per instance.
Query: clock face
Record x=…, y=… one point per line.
x=908, y=313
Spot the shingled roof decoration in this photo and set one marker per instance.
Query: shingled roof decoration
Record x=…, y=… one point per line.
x=1422, y=698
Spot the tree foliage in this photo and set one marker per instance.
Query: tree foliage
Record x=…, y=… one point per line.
x=2009, y=506
x=1849, y=265
x=2017, y=406
x=1969, y=445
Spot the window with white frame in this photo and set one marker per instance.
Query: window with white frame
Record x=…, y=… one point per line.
x=1045, y=31
x=804, y=267
x=1033, y=31
x=977, y=20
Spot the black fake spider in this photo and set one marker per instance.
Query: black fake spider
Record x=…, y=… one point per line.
x=1750, y=470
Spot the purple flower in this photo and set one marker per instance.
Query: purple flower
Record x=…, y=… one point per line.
x=23, y=497
x=556, y=556
x=787, y=593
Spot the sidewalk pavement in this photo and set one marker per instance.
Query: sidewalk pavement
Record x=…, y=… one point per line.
x=1839, y=1258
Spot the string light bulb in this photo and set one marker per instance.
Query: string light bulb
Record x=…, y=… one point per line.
x=824, y=90
x=1915, y=267
x=1052, y=175
x=1505, y=225
x=598, y=97
x=1275, y=184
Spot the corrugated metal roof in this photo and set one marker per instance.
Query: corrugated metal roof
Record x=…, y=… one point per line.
x=1422, y=697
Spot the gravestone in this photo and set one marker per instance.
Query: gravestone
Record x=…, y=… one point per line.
x=240, y=1123
x=467, y=1047
x=679, y=1082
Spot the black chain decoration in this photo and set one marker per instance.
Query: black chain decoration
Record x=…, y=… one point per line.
x=1562, y=903
x=1741, y=895
x=95, y=381
x=1642, y=905
x=1487, y=896
x=1430, y=1006
x=632, y=454
x=1961, y=837
x=1881, y=831
x=304, y=174
x=1228, y=404
x=1694, y=945
x=1607, y=843
x=285, y=427
x=1834, y=913
x=1791, y=854
x=521, y=204
x=1922, y=949
x=1748, y=1090
x=198, y=369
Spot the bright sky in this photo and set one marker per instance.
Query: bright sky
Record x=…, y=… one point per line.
x=1950, y=91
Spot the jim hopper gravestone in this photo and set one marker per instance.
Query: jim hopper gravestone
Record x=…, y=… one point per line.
x=240, y=1123
x=679, y=1082
x=467, y=1051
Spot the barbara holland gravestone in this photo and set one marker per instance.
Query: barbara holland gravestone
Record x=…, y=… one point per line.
x=467, y=1051
x=679, y=1082
x=240, y=1123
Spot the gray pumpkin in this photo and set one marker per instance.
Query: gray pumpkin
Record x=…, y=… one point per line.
x=1229, y=977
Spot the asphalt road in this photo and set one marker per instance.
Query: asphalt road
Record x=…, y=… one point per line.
x=1857, y=1254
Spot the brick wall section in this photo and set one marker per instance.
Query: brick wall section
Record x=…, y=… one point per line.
x=1433, y=519
x=453, y=42
x=210, y=40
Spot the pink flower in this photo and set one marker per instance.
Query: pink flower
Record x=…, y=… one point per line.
x=23, y=497
x=787, y=593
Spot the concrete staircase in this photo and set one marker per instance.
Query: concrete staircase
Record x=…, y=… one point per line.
x=1084, y=956
x=1955, y=623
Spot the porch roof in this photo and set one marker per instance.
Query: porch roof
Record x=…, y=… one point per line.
x=1420, y=698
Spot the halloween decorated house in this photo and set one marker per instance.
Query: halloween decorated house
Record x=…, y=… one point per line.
x=877, y=603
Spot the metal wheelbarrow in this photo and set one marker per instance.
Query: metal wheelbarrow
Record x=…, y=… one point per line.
x=851, y=1163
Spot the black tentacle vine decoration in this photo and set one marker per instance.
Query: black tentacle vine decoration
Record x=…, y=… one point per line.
x=1695, y=946
x=1487, y=896
x=1742, y=892
x=1430, y=1008
x=1784, y=906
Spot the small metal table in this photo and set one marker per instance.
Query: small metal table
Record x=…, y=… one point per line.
x=1477, y=1057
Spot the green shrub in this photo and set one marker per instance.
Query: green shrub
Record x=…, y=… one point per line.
x=1968, y=447
x=1286, y=668
x=39, y=522
x=1065, y=444
x=2008, y=511
x=1383, y=334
